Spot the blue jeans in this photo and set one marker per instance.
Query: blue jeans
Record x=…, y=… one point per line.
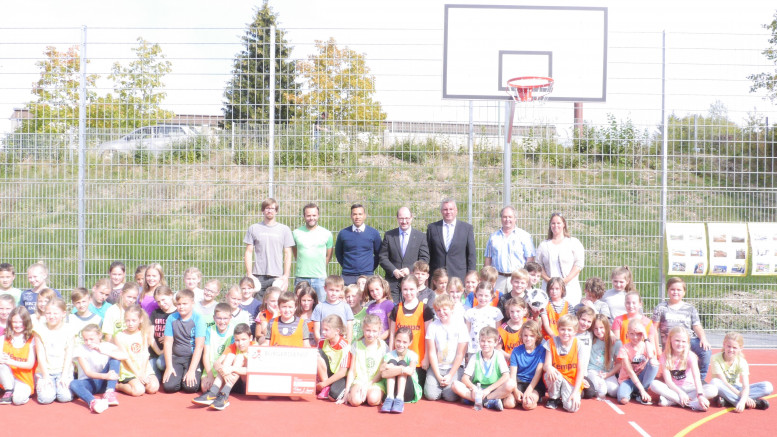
x=757, y=390
x=316, y=283
x=49, y=389
x=87, y=388
x=158, y=364
x=704, y=357
x=646, y=377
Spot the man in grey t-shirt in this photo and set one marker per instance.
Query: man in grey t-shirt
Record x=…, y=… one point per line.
x=266, y=241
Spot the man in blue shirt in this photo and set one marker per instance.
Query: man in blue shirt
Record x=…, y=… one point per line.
x=508, y=249
x=357, y=247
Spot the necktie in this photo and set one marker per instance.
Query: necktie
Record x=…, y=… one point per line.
x=448, y=235
x=403, y=242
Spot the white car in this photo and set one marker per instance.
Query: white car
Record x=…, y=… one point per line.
x=154, y=139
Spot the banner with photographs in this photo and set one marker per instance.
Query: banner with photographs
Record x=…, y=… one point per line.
x=687, y=246
x=728, y=248
x=763, y=240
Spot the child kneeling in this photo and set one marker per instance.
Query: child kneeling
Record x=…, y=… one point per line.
x=489, y=370
x=231, y=366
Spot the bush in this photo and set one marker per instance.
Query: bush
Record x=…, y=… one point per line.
x=615, y=143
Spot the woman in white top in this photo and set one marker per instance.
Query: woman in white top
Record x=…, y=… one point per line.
x=562, y=256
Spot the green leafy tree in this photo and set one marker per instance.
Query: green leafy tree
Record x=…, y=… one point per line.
x=340, y=84
x=247, y=95
x=139, y=87
x=768, y=80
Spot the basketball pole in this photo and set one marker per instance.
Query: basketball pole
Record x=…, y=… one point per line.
x=507, y=159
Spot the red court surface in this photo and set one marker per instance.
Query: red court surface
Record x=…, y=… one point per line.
x=173, y=414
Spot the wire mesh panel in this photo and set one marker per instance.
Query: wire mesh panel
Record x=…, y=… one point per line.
x=186, y=131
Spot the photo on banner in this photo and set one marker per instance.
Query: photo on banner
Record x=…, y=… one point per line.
x=763, y=241
x=687, y=248
x=728, y=248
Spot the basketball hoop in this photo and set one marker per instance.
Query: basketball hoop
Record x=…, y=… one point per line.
x=530, y=88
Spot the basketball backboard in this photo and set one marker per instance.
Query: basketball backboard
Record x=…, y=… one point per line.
x=486, y=45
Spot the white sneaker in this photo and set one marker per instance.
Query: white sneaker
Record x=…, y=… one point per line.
x=663, y=402
x=695, y=405
x=98, y=405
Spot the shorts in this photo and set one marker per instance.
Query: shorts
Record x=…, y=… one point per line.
x=540, y=388
x=126, y=380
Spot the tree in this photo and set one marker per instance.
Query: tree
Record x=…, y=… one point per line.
x=139, y=85
x=766, y=80
x=57, y=90
x=247, y=95
x=341, y=85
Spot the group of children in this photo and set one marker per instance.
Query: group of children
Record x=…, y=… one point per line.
x=452, y=340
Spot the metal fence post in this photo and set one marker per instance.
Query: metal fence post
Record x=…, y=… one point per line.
x=507, y=167
x=471, y=152
x=271, y=121
x=664, y=171
x=81, y=160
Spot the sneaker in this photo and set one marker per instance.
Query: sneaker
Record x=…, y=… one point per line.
x=663, y=402
x=398, y=406
x=722, y=402
x=695, y=405
x=221, y=402
x=7, y=398
x=206, y=399
x=761, y=404
x=639, y=399
x=110, y=396
x=494, y=404
x=98, y=405
x=552, y=403
x=324, y=393
x=387, y=404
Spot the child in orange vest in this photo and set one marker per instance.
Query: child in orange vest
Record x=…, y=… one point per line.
x=510, y=331
x=287, y=329
x=413, y=314
x=556, y=308
x=566, y=362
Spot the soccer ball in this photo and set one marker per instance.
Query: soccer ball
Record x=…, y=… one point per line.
x=536, y=299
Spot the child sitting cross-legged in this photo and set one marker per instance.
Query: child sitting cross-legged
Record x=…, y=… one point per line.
x=487, y=372
x=398, y=366
x=98, y=369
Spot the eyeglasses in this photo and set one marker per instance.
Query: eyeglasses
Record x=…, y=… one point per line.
x=556, y=214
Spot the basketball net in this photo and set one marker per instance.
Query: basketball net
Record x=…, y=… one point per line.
x=529, y=92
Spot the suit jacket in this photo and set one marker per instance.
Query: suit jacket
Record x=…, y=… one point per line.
x=460, y=257
x=390, y=257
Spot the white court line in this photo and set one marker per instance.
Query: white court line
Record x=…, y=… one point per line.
x=761, y=364
x=614, y=407
x=639, y=429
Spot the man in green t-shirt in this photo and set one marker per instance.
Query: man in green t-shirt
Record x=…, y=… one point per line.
x=313, y=250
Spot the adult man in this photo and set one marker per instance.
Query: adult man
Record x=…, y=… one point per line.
x=508, y=249
x=402, y=247
x=451, y=242
x=357, y=247
x=313, y=250
x=266, y=240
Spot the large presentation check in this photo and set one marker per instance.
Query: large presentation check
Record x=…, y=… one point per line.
x=281, y=371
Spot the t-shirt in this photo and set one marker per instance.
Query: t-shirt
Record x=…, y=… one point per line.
x=600, y=307
x=312, y=246
x=731, y=373
x=113, y=321
x=489, y=369
x=597, y=362
x=286, y=329
x=479, y=318
x=365, y=360
x=13, y=292
x=56, y=343
x=667, y=316
x=29, y=299
x=682, y=378
x=337, y=353
x=78, y=323
x=527, y=362
x=94, y=360
x=325, y=308
x=638, y=355
x=148, y=303
x=268, y=242
x=215, y=344
x=184, y=332
x=620, y=326
x=206, y=311
x=252, y=309
x=357, y=323
x=137, y=350
x=382, y=310
x=425, y=296
x=410, y=357
x=616, y=301
x=158, y=321
x=99, y=311
x=583, y=353
x=428, y=312
x=446, y=341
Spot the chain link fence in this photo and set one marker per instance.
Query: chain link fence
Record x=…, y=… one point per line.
x=155, y=145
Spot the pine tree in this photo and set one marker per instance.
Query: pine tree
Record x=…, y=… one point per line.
x=248, y=92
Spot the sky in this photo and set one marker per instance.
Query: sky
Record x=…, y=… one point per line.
x=713, y=44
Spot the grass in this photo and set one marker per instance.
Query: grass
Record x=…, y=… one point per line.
x=192, y=208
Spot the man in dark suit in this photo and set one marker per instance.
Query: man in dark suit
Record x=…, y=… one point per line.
x=401, y=248
x=451, y=243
